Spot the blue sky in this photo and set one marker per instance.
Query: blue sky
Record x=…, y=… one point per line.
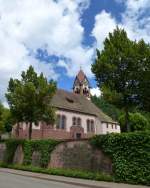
x=59, y=37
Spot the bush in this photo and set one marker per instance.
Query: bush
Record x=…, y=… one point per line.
x=130, y=153
x=136, y=120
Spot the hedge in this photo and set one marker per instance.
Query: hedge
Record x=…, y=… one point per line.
x=130, y=153
x=44, y=147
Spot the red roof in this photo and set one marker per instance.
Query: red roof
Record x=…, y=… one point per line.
x=81, y=76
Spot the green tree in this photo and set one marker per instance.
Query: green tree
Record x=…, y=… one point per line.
x=107, y=108
x=1, y=118
x=115, y=71
x=29, y=98
x=137, y=122
x=143, y=56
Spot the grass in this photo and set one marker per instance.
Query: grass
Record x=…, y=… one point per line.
x=99, y=176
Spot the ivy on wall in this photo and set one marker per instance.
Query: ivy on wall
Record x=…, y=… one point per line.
x=11, y=146
x=44, y=147
x=130, y=153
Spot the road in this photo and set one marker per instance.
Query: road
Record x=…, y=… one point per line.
x=17, y=181
x=10, y=178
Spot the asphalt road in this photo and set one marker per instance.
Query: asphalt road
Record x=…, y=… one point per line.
x=16, y=181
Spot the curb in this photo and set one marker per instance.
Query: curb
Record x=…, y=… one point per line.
x=37, y=176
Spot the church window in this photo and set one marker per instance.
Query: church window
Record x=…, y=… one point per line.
x=61, y=122
x=74, y=119
x=90, y=126
x=79, y=121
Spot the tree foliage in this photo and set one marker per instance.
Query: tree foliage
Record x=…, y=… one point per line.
x=29, y=98
x=137, y=122
x=110, y=109
x=122, y=71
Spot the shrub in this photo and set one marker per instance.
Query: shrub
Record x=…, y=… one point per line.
x=130, y=153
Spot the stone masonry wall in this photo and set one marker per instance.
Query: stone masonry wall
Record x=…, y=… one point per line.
x=80, y=155
x=77, y=154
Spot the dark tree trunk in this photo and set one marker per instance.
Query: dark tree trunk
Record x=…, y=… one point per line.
x=30, y=130
x=127, y=125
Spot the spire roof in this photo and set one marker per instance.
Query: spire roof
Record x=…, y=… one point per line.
x=81, y=76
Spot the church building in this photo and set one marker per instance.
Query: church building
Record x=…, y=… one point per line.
x=77, y=116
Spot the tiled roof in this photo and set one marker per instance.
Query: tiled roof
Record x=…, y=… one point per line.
x=81, y=76
x=77, y=103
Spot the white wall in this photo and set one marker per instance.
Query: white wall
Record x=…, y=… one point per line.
x=70, y=115
x=100, y=128
x=110, y=129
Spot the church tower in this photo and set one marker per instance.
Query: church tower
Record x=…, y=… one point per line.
x=81, y=85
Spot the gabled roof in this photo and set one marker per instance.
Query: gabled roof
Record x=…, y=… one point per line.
x=80, y=78
x=74, y=102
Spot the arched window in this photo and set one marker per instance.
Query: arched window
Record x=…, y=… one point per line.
x=58, y=121
x=63, y=122
x=79, y=121
x=88, y=125
x=74, y=121
x=92, y=126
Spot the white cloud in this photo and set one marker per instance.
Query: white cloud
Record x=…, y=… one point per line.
x=104, y=23
x=26, y=26
x=95, y=91
x=135, y=20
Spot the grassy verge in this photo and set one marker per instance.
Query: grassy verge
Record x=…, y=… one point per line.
x=63, y=172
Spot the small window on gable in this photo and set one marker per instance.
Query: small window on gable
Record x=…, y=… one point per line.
x=107, y=126
x=112, y=126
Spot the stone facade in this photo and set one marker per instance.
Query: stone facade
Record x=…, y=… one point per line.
x=75, y=154
x=80, y=155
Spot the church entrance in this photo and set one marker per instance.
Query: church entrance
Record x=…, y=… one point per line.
x=77, y=132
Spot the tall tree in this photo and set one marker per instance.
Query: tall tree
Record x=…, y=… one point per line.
x=115, y=73
x=29, y=98
x=1, y=118
x=143, y=56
